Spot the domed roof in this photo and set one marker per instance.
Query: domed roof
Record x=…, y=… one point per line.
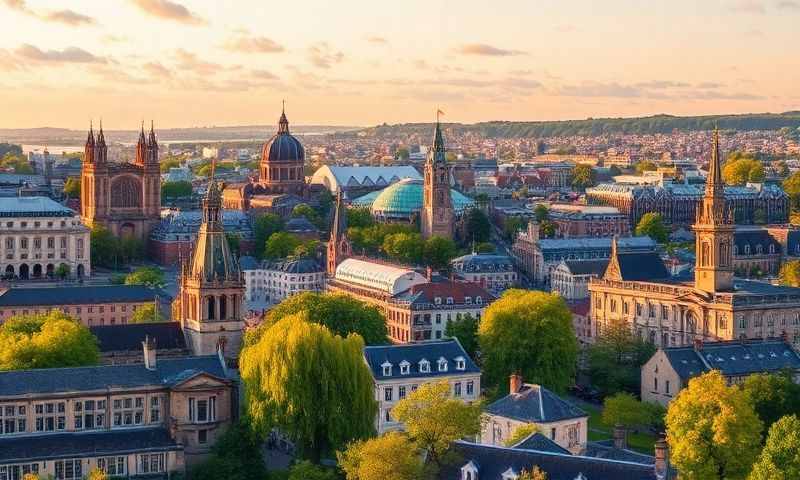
x=283, y=147
x=404, y=198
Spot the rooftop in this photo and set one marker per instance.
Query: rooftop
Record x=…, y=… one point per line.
x=129, y=337
x=733, y=358
x=32, y=207
x=534, y=403
x=405, y=198
x=482, y=262
x=387, y=278
x=413, y=353
x=24, y=297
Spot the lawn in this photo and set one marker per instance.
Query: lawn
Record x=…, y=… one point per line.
x=641, y=442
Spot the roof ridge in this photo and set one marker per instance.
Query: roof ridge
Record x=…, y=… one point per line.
x=555, y=454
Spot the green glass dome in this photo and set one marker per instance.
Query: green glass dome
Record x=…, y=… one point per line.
x=403, y=199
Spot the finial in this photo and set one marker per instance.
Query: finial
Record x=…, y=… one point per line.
x=614, y=246
x=151, y=125
x=101, y=124
x=283, y=106
x=143, y=125
x=91, y=125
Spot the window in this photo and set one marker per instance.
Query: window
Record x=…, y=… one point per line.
x=638, y=309
x=203, y=410
x=457, y=389
x=12, y=419
x=655, y=384
x=202, y=436
x=424, y=366
x=387, y=369
x=128, y=411
x=89, y=414
x=666, y=386
x=69, y=469
x=151, y=463
x=155, y=409
x=573, y=435
x=470, y=388
x=388, y=393
x=442, y=365
x=552, y=434
x=405, y=368
x=449, y=300
x=50, y=416
x=461, y=363
x=651, y=309
x=113, y=466
x=16, y=472
x=401, y=392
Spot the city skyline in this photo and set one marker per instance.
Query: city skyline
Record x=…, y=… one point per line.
x=200, y=63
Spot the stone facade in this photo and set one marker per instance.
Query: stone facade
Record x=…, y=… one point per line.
x=437, y=208
x=574, y=221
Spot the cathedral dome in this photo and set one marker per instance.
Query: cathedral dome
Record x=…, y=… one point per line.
x=403, y=199
x=283, y=147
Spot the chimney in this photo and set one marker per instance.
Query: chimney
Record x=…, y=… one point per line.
x=620, y=437
x=429, y=273
x=514, y=383
x=149, y=347
x=698, y=344
x=662, y=459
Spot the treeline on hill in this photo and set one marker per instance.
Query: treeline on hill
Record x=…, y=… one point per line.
x=599, y=126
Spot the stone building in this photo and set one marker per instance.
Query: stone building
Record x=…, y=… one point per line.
x=123, y=197
x=38, y=235
x=575, y=221
x=273, y=282
x=437, y=207
x=571, y=278
x=495, y=273
x=148, y=419
x=637, y=292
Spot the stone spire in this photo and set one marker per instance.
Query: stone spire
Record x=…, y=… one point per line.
x=714, y=185
x=88, y=150
x=283, y=123
x=141, y=147
x=339, y=246
x=438, y=155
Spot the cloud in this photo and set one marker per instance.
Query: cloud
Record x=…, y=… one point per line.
x=156, y=69
x=253, y=45
x=748, y=6
x=321, y=55
x=189, y=61
x=593, y=89
x=68, y=17
x=486, y=50
x=67, y=55
x=167, y=10
x=377, y=40
x=264, y=75
x=789, y=5
x=662, y=84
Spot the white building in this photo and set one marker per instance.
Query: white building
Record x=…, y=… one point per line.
x=273, y=282
x=493, y=272
x=398, y=370
x=570, y=278
x=38, y=235
x=337, y=178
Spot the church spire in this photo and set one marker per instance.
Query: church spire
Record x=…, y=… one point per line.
x=88, y=150
x=339, y=246
x=714, y=184
x=101, y=139
x=283, y=123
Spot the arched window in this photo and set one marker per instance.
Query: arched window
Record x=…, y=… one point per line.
x=747, y=249
x=126, y=192
x=212, y=311
x=705, y=259
x=223, y=307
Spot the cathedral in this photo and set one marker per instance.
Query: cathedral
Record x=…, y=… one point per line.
x=637, y=291
x=123, y=197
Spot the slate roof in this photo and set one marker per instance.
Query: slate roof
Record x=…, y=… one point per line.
x=89, y=444
x=733, y=358
x=413, y=353
x=540, y=443
x=493, y=461
x=596, y=243
x=427, y=293
x=587, y=267
x=606, y=449
x=33, y=207
x=169, y=371
x=21, y=297
x=128, y=337
x=301, y=265
x=642, y=266
x=534, y=403
x=482, y=262
x=754, y=238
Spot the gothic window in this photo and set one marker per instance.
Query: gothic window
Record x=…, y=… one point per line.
x=211, y=308
x=723, y=254
x=126, y=192
x=742, y=322
x=706, y=254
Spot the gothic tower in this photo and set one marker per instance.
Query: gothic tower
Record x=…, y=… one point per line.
x=209, y=302
x=437, y=208
x=94, y=179
x=714, y=232
x=151, y=180
x=339, y=247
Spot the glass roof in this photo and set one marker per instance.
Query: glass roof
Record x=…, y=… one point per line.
x=405, y=198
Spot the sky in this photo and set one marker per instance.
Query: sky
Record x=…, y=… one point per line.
x=187, y=63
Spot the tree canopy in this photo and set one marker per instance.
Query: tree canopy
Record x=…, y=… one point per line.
x=773, y=396
x=147, y=314
x=741, y=169
x=18, y=163
x=624, y=409
x=281, y=245
x=236, y=455
x=652, y=225
x=111, y=251
x=310, y=383
x=72, y=187
x=391, y=455
x=789, y=274
x=712, y=430
x=792, y=188
x=465, y=329
x=305, y=210
x=479, y=227
x=780, y=457
x=583, y=176
x=48, y=340
x=176, y=189
x=438, y=252
x=615, y=360
x=152, y=277
x=530, y=333
x=263, y=228
x=645, y=166
x=405, y=248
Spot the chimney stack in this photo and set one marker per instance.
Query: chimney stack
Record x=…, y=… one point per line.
x=514, y=383
x=662, y=459
x=429, y=273
x=620, y=437
x=698, y=344
x=149, y=348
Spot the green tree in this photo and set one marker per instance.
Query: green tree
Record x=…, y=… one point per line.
x=712, y=430
x=147, y=314
x=530, y=333
x=645, y=166
x=547, y=229
x=169, y=162
x=541, y=212
x=306, y=249
x=62, y=271
x=390, y=456
x=311, y=384
x=176, y=189
x=72, y=187
x=152, y=277
x=485, y=247
x=306, y=470
x=96, y=474
x=305, y=210
x=325, y=200
x=652, y=225
x=792, y=188
x=281, y=245
x=404, y=247
x=743, y=170
x=482, y=200
x=342, y=314
x=359, y=217
x=773, y=396
x=438, y=252
x=48, y=340
x=263, y=228
x=434, y=420
x=624, y=409
x=583, y=176
x=790, y=273
x=479, y=227
x=236, y=455
x=103, y=246
x=402, y=154
x=18, y=163
x=615, y=360
x=780, y=458
x=511, y=226
x=521, y=433
x=465, y=329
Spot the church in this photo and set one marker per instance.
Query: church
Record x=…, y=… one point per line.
x=636, y=289
x=123, y=197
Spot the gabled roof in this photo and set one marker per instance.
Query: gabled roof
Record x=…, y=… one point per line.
x=534, y=403
x=539, y=442
x=733, y=358
x=606, y=449
x=129, y=337
x=587, y=267
x=21, y=297
x=639, y=266
x=413, y=353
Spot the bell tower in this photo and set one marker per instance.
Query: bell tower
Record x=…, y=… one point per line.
x=94, y=179
x=437, y=208
x=714, y=231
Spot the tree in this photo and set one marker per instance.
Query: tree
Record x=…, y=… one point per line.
x=152, y=277
x=359, y=217
x=485, y=247
x=479, y=227
x=306, y=470
x=530, y=333
x=790, y=273
x=780, y=458
x=645, y=166
x=103, y=246
x=306, y=249
x=739, y=171
x=652, y=225
x=773, y=396
x=48, y=340
x=712, y=430
x=624, y=409
x=18, y=163
x=402, y=154
x=176, y=189
x=438, y=252
x=541, y=212
x=614, y=170
x=391, y=455
x=615, y=360
x=434, y=420
x=311, y=384
x=583, y=176
x=521, y=433
x=236, y=455
x=62, y=271
x=342, y=314
x=465, y=329
x=547, y=229
x=263, y=228
x=535, y=474
x=169, y=162
x=305, y=210
x=511, y=226
x=96, y=474
x=147, y=314
x=281, y=245
x=792, y=188
x=72, y=187
x=404, y=247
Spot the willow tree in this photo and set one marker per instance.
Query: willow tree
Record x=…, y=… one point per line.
x=312, y=385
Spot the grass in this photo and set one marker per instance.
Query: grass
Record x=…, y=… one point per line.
x=642, y=442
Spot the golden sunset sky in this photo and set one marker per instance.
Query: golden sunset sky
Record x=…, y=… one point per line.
x=361, y=62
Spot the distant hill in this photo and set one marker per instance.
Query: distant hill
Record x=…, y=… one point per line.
x=599, y=126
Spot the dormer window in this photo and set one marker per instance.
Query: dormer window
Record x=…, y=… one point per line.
x=461, y=363
x=469, y=471
x=478, y=300
x=424, y=366
x=387, y=369
x=510, y=474
x=437, y=300
x=468, y=300
x=450, y=299
x=405, y=368
x=442, y=364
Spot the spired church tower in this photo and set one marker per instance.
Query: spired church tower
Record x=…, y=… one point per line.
x=437, y=209
x=339, y=247
x=209, y=302
x=714, y=232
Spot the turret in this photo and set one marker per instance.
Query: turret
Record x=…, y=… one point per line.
x=88, y=150
x=141, y=147
x=152, y=147
x=101, y=150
